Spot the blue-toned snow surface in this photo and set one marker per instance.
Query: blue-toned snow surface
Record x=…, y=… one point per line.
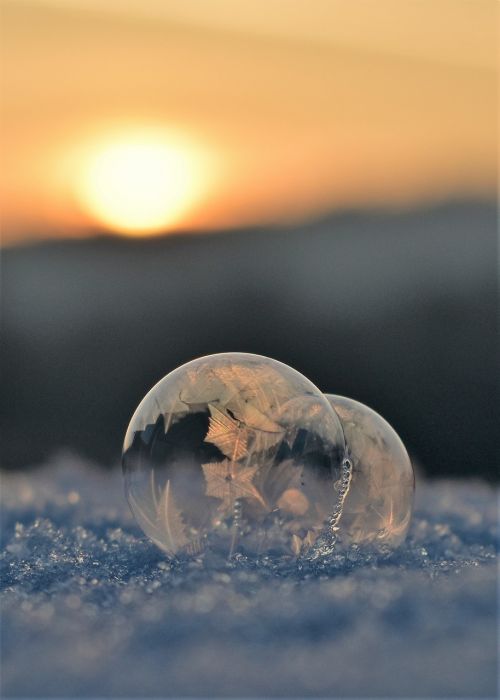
x=92, y=609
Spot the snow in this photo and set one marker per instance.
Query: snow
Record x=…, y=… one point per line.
x=92, y=609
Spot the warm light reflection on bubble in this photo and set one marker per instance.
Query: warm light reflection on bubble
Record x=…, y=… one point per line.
x=142, y=181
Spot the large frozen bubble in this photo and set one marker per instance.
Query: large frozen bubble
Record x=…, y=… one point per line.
x=234, y=452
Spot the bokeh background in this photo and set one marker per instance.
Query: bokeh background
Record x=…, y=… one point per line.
x=311, y=181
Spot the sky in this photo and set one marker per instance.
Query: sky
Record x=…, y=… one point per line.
x=142, y=116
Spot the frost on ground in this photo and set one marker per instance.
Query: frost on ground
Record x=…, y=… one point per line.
x=92, y=609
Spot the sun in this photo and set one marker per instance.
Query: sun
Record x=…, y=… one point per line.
x=141, y=182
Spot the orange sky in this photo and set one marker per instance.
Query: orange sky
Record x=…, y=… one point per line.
x=286, y=109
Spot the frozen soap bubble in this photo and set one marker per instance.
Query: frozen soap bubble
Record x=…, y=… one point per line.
x=378, y=502
x=233, y=452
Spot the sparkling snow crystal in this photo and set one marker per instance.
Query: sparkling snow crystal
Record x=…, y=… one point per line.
x=91, y=608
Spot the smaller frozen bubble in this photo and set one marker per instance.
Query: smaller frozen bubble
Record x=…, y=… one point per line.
x=378, y=504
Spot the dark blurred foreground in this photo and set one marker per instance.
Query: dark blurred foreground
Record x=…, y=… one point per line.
x=396, y=310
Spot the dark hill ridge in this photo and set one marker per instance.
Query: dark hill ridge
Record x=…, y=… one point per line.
x=397, y=310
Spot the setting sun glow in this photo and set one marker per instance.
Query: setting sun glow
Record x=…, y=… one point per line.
x=149, y=116
x=140, y=184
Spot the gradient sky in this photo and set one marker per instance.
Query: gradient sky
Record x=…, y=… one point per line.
x=294, y=107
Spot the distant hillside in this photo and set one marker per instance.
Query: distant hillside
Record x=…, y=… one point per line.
x=396, y=310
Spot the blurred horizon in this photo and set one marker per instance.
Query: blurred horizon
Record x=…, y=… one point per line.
x=145, y=118
x=399, y=312
x=102, y=234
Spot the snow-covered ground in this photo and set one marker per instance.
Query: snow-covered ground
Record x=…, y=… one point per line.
x=92, y=609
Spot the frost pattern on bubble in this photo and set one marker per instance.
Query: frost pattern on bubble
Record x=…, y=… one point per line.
x=234, y=452
x=378, y=501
